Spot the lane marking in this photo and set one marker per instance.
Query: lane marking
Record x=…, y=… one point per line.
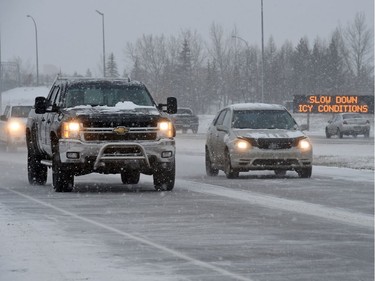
x=136, y=238
x=338, y=215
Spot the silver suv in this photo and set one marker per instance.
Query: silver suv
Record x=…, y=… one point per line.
x=254, y=136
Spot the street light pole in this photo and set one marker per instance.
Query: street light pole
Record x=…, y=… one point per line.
x=102, y=14
x=262, y=81
x=247, y=59
x=36, y=50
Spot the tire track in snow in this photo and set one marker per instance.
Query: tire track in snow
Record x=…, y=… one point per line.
x=136, y=237
x=338, y=215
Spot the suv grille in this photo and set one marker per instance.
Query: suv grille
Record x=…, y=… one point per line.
x=276, y=143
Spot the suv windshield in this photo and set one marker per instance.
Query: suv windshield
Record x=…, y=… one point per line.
x=262, y=119
x=96, y=94
x=21, y=111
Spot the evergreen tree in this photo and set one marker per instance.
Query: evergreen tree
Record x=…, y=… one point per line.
x=88, y=73
x=112, y=67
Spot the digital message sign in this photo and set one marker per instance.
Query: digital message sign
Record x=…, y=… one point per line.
x=333, y=104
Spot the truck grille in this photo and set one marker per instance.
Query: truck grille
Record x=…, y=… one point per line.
x=107, y=134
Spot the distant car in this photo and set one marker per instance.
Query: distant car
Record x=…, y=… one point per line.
x=254, y=136
x=348, y=124
x=185, y=119
x=13, y=124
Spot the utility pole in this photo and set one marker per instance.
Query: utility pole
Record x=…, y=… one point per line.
x=262, y=51
x=102, y=14
x=36, y=50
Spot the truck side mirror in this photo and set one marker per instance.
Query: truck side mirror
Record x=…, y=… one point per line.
x=171, y=105
x=40, y=105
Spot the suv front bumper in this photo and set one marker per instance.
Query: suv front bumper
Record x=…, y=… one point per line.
x=262, y=159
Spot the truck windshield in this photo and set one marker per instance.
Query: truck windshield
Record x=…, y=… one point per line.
x=262, y=119
x=106, y=95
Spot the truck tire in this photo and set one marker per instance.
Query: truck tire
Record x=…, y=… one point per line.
x=130, y=176
x=305, y=172
x=62, y=176
x=164, y=177
x=36, y=172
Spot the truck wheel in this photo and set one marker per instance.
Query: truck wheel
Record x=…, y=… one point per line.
x=130, y=176
x=164, y=177
x=36, y=172
x=62, y=177
x=305, y=172
x=328, y=135
x=280, y=172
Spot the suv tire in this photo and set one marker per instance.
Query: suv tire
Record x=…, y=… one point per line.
x=228, y=170
x=210, y=171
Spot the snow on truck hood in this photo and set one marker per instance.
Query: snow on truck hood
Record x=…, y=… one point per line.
x=120, y=108
x=268, y=133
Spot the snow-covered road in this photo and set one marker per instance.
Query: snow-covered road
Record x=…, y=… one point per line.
x=256, y=227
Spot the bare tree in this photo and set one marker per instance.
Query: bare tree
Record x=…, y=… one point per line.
x=359, y=50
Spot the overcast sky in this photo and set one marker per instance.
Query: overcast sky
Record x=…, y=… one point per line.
x=70, y=31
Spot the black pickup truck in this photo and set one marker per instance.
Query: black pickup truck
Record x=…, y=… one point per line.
x=184, y=119
x=108, y=126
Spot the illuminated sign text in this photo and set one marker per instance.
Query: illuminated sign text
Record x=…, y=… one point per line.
x=333, y=104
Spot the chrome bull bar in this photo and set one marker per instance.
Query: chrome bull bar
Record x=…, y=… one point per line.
x=102, y=156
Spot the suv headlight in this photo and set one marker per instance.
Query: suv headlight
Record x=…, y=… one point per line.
x=71, y=130
x=165, y=129
x=304, y=145
x=242, y=145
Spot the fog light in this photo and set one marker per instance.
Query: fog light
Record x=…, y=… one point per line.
x=166, y=154
x=72, y=155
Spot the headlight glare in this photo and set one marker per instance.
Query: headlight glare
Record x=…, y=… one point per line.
x=14, y=126
x=165, y=129
x=71, y=130
x=243, y=145
x=304, y=145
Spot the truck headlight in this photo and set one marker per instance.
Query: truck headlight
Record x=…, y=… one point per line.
x=304, y=145
x=71, y=130
x=165, y=129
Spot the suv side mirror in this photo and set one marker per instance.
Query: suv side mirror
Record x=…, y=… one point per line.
x=304, y=127
x=40, y=105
